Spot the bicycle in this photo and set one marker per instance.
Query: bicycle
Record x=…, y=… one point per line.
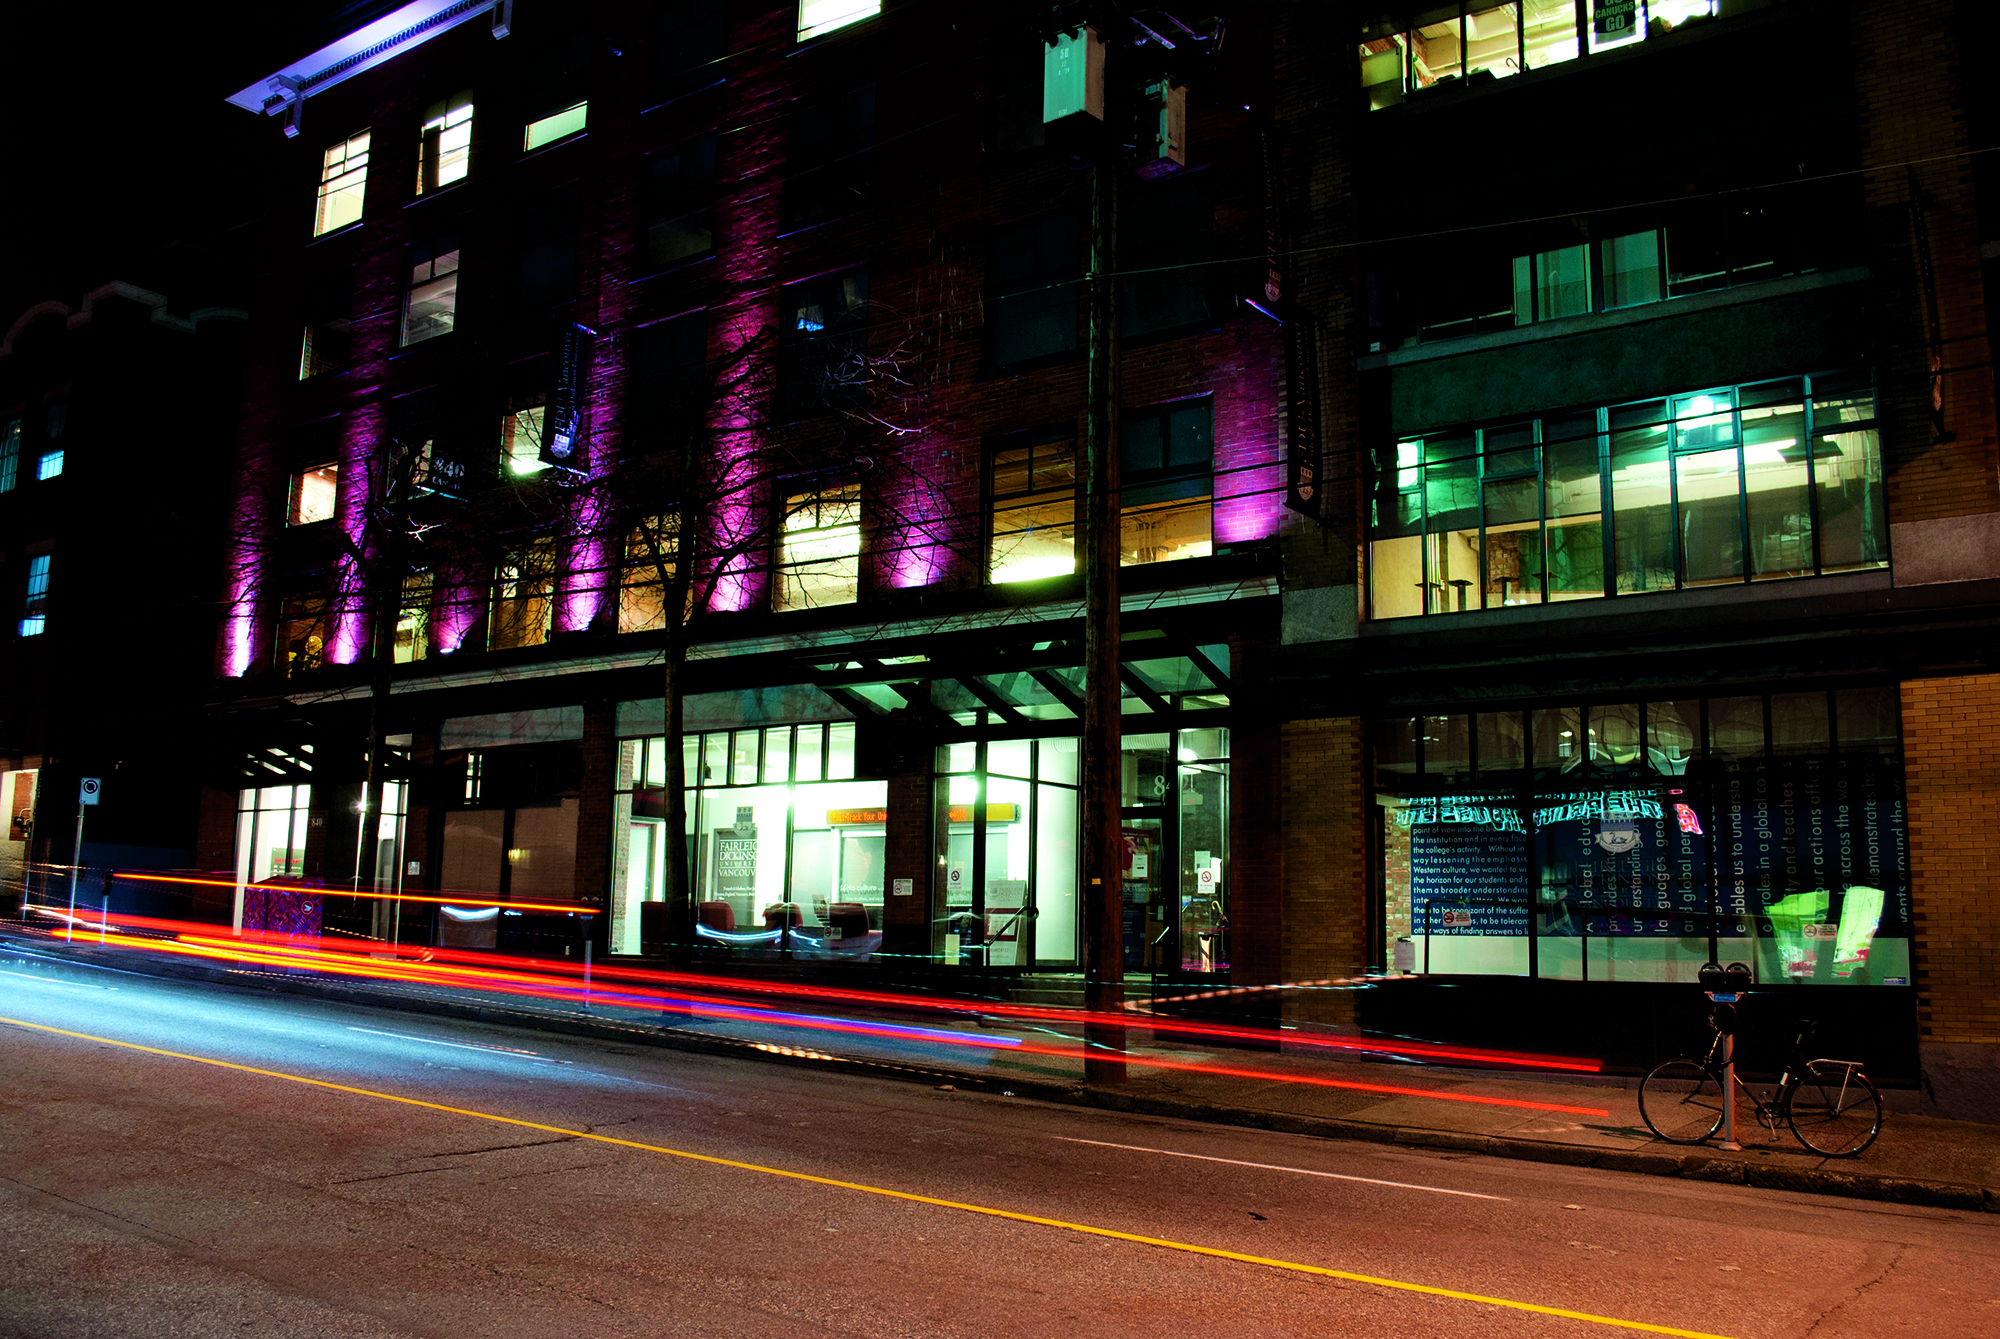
x=1831, y=1106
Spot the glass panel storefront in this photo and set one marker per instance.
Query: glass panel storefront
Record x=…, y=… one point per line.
x=787, y=847
x=1646, y=838
x=270, y=836
x=1008, y=851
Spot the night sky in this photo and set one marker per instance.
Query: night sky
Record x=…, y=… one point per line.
x=120, y=158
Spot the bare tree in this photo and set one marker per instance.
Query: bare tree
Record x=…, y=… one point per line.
x=703, y=498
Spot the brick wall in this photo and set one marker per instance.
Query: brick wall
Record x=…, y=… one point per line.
x=1325, y=891
x=1951, y=744
x=593, y=818
x=1924, y=253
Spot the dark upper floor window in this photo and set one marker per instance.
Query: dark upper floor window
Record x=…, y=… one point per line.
x=824, y=320
x=830, y=155
x=1167, y=482
x=669, y=395
x=558, y=92
x=1165, y=231
x=1716, y=487
x=1431, y=46
x=1017, y=96
x=545, y=251
x=10, y=453
x=329, y=312
x=1500, y=277
x=55, y=445
x=430, y=304
x=1032, y=312
x=680, y=204
x=687, y=47
x=444, y=143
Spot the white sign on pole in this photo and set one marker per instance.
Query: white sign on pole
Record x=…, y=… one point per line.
x=87, y=793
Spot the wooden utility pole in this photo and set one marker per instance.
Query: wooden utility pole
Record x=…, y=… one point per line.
x=1103, y=758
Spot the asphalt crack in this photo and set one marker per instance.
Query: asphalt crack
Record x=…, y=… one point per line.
x=1845, y=1302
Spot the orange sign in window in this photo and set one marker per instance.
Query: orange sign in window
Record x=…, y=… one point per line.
x=959, y=813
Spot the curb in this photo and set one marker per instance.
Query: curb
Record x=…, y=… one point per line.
x=1692, y=1166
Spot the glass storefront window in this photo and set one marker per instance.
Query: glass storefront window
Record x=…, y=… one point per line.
x=786, y=848
x=270, y=836
x=1649, y=838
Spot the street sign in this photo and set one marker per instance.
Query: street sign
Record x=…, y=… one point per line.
x=87, y=792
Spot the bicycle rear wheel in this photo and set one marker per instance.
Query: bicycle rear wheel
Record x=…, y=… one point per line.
x=1681, y=1102
x=1835, y=1110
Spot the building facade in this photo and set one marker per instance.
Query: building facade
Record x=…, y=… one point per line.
x=502, y=241
x=1559, y=490
x=1659, y=371
x=116, y=412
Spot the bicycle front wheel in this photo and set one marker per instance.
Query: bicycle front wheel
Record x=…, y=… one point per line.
x=1681, y=1102
x=1835, y=1110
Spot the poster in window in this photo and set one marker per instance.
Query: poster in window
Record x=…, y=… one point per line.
x=1614, y=20
x=1625, y=862
x=1468, y=879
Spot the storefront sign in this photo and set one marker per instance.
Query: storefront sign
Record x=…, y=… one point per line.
x=836, y=818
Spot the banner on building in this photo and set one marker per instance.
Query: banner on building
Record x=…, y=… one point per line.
x=562, y=430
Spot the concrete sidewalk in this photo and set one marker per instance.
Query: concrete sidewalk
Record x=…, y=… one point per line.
x=1299, y=1088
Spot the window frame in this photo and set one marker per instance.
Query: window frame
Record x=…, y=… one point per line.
x=818, y=495
x=1041, y=290
x=1690, y=428
x=804, y=350
x=1022, y=500
x=34, y=621
x=429, y=256
x=335, y=183
x=443, y=117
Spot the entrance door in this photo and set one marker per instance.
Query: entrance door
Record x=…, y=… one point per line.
x=1148, y=911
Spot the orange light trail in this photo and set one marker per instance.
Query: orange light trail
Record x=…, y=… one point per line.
x=270, y=950
x=1427, y=1051
x=469, y=900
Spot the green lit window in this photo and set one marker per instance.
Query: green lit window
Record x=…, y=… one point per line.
x=1718, y=487
x=343, y=181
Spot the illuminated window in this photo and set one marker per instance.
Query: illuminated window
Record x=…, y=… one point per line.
x=431, y=303
x=35, y=608
x=413, y=619
x=301, y=633
x=523, y=596
x=343, y=178
x=650, y=550
x=1476, y=41
x=817, y=17
x=50, y=465
x=1719, y=487
x=558, y=105
x=521, y=424
x=10, y=453
x=446, y=143
x=1032, y=527
x=313, y=492
x=1167, y=483
x=819, y=555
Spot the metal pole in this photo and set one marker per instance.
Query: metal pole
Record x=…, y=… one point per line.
x=76, y=865
x=586, y=971
x=1103, y=757
x=1729, y=1093
x=104, y=919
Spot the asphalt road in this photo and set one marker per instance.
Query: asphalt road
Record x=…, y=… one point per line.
x=145, y=1194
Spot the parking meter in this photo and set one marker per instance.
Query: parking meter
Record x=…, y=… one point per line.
x=1724, y=986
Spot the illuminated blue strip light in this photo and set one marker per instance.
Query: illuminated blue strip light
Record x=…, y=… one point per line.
x=363, y=49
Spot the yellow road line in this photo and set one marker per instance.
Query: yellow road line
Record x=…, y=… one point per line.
x=1086, y=1229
